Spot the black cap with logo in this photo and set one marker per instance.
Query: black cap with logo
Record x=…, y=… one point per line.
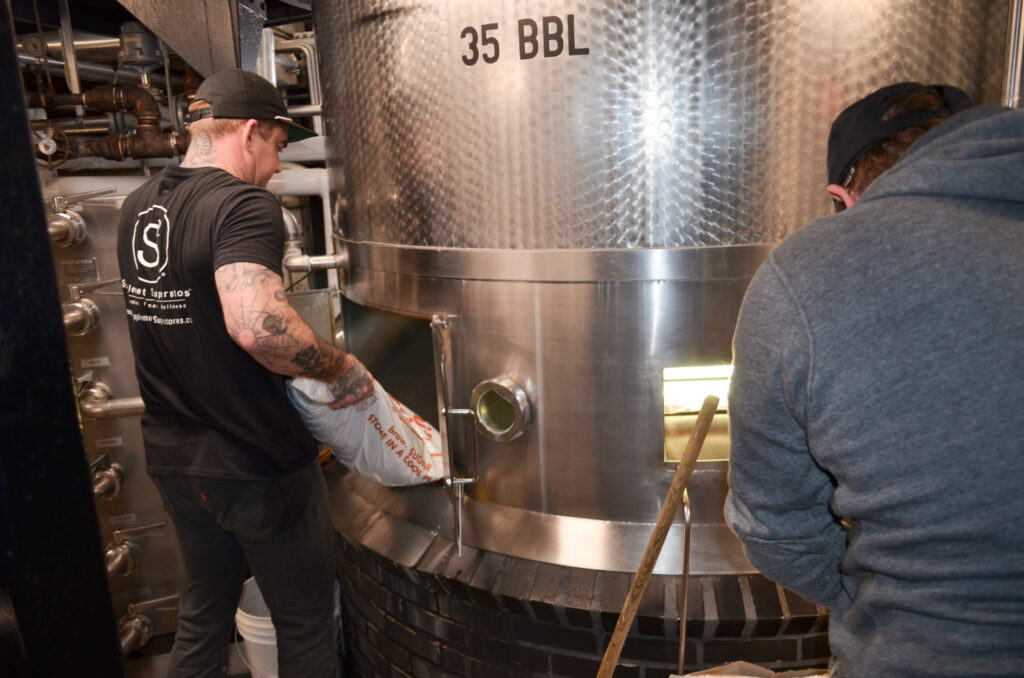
x=234, y=93
x=860, y=126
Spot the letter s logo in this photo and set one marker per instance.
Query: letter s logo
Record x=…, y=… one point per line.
x=150, y=237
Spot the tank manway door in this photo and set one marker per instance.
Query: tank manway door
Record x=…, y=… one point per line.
x=684, y=390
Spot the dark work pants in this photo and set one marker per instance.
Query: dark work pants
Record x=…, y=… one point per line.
x=282, y=528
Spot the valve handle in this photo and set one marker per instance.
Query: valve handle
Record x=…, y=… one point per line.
x=59, y=203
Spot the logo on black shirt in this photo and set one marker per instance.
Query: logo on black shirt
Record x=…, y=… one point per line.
x=150, y=236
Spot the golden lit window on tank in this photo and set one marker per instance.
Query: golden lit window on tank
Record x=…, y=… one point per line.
x=684, y=390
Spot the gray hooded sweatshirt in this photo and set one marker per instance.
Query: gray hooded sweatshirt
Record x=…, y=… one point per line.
x=879, y=379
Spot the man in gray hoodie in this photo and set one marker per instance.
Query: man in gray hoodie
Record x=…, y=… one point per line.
x=877, y=430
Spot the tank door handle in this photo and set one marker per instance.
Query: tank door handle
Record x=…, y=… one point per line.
x=440, y=327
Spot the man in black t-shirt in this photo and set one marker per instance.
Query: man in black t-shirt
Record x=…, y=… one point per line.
x=200, y=249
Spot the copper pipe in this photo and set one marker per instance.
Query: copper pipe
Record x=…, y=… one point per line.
x=148, y=141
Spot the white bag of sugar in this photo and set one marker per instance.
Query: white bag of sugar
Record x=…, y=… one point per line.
x=377, y=437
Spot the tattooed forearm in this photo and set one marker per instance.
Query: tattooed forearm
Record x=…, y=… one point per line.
x=319, y=360
x=260, y=320
x=354, y=384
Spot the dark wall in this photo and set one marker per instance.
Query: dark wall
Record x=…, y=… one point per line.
x=56, y=616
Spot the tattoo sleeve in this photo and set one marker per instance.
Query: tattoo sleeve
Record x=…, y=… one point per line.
x=259, y=318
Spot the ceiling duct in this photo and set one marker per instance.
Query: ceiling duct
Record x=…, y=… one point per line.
x=217, y=35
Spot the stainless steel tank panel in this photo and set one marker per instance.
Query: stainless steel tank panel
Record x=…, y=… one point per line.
x=685, y=123
x=402, y=523
x=106, y=354
x=589, y=354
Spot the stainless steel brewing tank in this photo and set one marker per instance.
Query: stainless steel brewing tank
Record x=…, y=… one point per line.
x=660, y=124
x=582, y=191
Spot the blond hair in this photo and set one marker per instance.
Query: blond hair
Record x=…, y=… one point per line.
x=218, y=127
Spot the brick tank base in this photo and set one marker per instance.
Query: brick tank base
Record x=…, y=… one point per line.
x=485, y=615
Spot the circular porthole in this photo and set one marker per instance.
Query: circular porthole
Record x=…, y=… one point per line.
x=501, y=407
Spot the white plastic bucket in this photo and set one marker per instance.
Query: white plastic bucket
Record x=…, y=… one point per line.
x=253, y=621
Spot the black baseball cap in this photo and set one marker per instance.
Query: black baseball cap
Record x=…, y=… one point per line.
x=234, y=93
x=860, y=126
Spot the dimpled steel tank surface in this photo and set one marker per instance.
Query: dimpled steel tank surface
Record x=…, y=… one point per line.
x=558, y=201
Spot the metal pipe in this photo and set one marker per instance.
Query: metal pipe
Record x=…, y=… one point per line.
x=121, y=558
x=147, y=142
x=313, y=181
x=295, y=260
x=81, y=317
x=65, y=228
x=135, y=632
x=80, y=125
x=68, y=50
x=87, y=130
x=94, y=71
x=306, y=110
x=98, y=403
x=83, y=43
x=1013, y=73
x=108, y=481
x=76, y=319
x=112, y=409
x=170, y=95
x=684, y=585
x=305, y=263
x=312, y=74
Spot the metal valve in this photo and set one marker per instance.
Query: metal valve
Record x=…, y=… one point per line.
x=97, y=402
x=123, y=553
x=81, y=317
x=108, y=479
x=53, y=147
x=122, y=557
x=136, y=628
x=60, y=203
x=65, y=226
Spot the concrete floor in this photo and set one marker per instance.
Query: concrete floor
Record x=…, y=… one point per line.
x=155, y=666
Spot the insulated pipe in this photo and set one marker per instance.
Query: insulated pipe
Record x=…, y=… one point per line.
x=1013, y=73
x=92, y=71
x=93, y=45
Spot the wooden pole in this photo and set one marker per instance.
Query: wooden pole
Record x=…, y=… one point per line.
x=657, y=540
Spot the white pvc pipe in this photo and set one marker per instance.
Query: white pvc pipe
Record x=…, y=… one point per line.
x=312, y=182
